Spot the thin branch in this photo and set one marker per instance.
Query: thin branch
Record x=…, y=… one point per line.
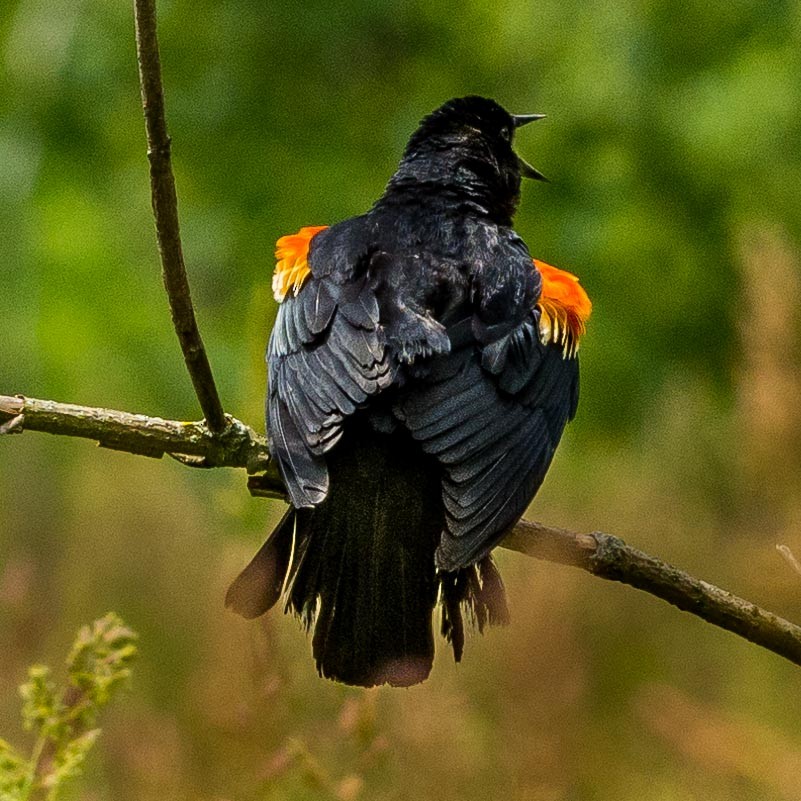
x=790, y=558
x=237, y=446
x=602, y=555
x=13, y=425
x=610, y=558
x=165, y=210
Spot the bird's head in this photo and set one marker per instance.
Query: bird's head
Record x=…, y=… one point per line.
x=465, y=147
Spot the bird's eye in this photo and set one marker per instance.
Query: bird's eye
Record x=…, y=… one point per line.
x=506, y=134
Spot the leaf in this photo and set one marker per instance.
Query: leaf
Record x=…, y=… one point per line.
x=100, y=658
x=13, y=773
x=68, y=762
x=40, y=708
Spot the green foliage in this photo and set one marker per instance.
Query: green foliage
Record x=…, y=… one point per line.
x=40, y=709
x=14, y=771
x=663, y=140
x=64, y=722
x=99, y=661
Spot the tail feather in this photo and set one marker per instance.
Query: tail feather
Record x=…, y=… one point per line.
x=367, y=581
x=259, y=585
x=478, y=591
x=359, y=568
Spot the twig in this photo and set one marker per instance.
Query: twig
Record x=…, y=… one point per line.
x=602, y=555
x=790, y=557
x=165, y=210
x=13, y=426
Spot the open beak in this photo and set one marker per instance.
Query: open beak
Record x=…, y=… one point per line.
x=526, y=170
x=519, y=120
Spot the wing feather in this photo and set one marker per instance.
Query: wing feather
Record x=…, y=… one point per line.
x=493, y=423
x=328, y=356
x=487, y=399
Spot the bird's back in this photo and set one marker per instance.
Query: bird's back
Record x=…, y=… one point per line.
x=420, y=377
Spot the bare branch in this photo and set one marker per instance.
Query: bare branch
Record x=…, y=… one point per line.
x=165, y=210
x=237, y=446
x=602, y=555
x=610, y=558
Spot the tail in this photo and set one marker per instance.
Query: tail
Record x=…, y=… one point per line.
x=259, y=585
x=366, y=580
x=359, y=568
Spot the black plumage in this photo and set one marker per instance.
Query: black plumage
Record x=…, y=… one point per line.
x=413, y=408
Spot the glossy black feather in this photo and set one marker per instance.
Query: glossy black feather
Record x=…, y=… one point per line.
x=367, y=582
x=259, y=585
x=490, y=442
x=412, y=409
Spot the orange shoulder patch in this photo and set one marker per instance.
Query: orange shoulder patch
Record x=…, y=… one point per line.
x=292, y=266
x=564, y=308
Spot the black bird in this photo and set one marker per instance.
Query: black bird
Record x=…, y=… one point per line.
x=421, y=370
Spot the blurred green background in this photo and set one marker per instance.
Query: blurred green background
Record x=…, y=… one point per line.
x=673, y=142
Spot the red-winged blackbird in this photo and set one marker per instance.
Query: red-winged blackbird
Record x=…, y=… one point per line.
x=421, y=371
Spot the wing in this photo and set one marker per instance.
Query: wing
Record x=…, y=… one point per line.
x=340, y=338
x=493, y=412
x=327, y=355
x=494, y=433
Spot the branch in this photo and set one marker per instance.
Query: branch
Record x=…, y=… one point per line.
x=239, y=446
x=165, y=210
x=193, y=444
x=610, y=558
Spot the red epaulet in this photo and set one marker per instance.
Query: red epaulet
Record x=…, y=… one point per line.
x=564, y=308
x=292, y=267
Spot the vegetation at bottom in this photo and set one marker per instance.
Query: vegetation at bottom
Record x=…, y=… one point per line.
x=64, y=721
